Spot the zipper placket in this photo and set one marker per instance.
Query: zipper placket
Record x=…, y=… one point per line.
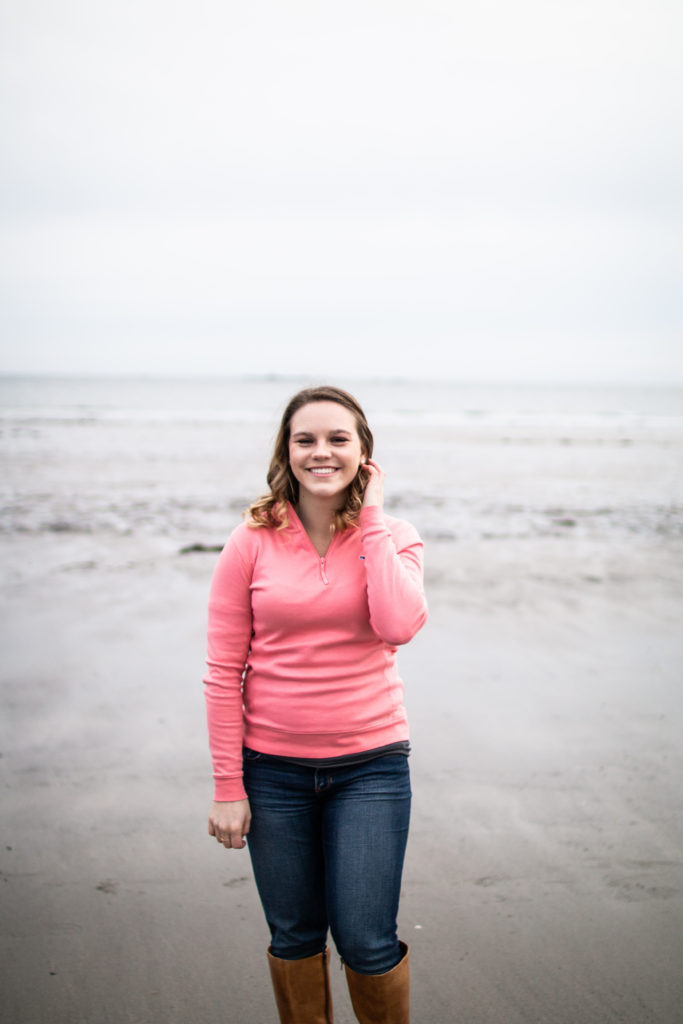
x=322, y=560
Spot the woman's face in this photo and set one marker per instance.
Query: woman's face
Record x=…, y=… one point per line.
x=324, y=449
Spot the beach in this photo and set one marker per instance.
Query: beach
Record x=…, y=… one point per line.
x=544, y=876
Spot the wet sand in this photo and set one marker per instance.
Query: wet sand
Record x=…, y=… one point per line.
x=544, y=879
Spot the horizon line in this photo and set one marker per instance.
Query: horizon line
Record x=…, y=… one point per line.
x=195, y=375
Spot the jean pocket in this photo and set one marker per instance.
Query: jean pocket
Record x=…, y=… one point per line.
x=251, y=756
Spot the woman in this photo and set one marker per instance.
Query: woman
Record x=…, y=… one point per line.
x=308, y=734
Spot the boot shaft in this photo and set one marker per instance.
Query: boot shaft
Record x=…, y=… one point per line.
x=382, y=998
x=302, y=989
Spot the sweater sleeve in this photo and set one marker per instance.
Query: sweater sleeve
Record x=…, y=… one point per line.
x=229, y=636
x=394, y=572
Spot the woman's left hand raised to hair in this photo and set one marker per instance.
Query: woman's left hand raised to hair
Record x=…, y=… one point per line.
x=374, y=491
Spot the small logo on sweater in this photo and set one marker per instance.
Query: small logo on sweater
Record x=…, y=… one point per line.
x=362, y=558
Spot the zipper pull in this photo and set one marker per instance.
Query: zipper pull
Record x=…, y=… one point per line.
x=322, y=572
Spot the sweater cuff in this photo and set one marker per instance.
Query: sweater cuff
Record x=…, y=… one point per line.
x=227, y=790
x=371, y=515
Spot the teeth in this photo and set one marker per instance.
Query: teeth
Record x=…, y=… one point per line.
x=323, y=471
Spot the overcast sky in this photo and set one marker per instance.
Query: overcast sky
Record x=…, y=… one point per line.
x=422, y=188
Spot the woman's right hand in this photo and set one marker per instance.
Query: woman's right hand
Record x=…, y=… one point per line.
x=229, y=822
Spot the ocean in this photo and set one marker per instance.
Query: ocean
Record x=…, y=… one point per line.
x=95, y=465
x=543, y=695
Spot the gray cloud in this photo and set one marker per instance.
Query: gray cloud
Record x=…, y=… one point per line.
x=427, y=186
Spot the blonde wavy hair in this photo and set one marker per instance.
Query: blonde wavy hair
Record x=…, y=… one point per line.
x=271, y=510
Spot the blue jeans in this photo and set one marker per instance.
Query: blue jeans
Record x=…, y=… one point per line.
x=327, y=848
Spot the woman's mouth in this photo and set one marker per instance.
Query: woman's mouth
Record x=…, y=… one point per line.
x=322, y=470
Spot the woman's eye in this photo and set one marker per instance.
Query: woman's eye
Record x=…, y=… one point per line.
x=309, y=440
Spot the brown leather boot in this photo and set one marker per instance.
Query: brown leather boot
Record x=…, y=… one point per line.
x=382, y=998
x=302, y=989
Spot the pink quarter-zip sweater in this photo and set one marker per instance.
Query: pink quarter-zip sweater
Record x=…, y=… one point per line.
x=302, y=649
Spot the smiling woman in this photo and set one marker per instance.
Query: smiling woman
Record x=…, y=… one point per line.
x=308, y=733
x=325, y=456
x=314, y=415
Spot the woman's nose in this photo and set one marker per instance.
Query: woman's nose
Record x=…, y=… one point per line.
x=321, y=449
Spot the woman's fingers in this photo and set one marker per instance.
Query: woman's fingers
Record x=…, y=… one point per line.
x=229, y=823
x=230, y=840
x=374, y=491
x=373, y=469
